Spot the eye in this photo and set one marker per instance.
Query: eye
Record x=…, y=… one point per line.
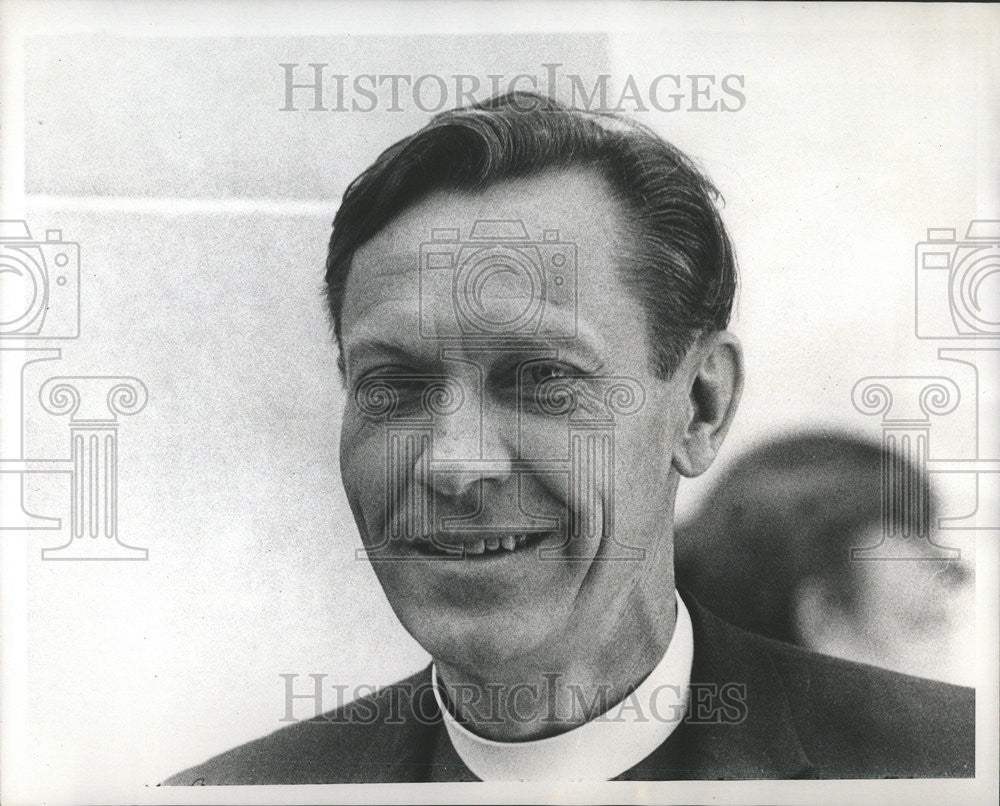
x=548, y=382
x=542, y=371
x=520, y=384
x=393, y=391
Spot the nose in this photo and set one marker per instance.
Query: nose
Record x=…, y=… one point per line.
x=471, y=446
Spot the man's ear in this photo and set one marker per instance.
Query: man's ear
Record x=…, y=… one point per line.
x=715, y=383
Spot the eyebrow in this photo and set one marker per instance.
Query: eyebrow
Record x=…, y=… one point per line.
x=582, y=342
x=391, y=345
x=585, y=346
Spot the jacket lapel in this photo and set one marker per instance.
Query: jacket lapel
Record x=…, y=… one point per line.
x=739, y=723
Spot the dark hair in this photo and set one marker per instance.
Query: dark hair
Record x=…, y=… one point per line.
x=791, y=509
x=683, y=271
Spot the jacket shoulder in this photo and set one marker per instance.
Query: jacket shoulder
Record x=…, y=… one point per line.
x=386, y=736
x=856, y=720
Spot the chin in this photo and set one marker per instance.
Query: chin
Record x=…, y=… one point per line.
x=484, y=640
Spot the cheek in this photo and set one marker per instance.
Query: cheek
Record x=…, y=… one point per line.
x=362, y=460
x=543, y=441
x=644, y=449
x=583, y=469
x=634, y=452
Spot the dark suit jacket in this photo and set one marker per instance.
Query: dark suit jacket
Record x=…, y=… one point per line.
x=805, y=716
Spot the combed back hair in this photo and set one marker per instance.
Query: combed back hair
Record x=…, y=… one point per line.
x=680, y=264
x=788, y=510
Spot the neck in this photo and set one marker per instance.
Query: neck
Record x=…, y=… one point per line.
x=572, y=679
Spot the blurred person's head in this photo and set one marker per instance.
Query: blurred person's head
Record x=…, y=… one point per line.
x=770, y=550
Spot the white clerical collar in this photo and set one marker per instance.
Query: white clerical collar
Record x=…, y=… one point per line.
x=600, y=749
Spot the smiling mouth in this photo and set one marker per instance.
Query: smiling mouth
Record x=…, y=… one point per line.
x=486, y=546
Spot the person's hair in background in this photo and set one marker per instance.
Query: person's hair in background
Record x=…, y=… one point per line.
x=681, y=267
x=770, y=550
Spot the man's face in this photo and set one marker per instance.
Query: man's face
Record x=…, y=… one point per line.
x=506, y=450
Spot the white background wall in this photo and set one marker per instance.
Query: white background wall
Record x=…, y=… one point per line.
x=155, y=140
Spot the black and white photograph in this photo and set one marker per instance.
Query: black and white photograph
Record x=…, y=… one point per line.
x=481, y=402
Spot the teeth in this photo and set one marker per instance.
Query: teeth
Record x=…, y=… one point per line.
x=507, y=542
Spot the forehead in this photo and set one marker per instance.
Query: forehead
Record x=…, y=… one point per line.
x=573, y=207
